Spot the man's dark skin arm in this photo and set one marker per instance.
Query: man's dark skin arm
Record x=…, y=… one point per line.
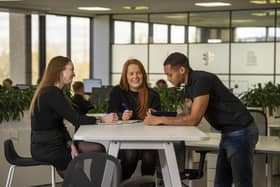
x=187, y=118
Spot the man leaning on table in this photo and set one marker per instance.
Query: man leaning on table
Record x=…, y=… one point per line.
x=206, y=96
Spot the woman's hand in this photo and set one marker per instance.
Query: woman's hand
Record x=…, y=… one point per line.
x=109, y=118
x=127, y=114
x=74, y=151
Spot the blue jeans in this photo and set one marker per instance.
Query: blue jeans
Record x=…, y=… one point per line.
x=235, y=158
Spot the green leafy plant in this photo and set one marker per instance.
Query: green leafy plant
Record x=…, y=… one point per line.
x=267, y=96
x=13, y=102
x=172, y=99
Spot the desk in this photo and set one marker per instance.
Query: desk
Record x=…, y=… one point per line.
x=269, y=145
x=272, y=125
x=139, y=136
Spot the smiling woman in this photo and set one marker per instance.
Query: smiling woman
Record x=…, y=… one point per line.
x=131, y=100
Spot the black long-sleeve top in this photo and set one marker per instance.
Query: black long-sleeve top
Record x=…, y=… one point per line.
x=119, y=97
x=50, y=109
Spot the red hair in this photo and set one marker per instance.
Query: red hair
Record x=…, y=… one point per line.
x=143, y=90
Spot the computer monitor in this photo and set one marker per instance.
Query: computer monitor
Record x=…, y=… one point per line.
x=92, y=83
x=99, y=95
x=22, y=86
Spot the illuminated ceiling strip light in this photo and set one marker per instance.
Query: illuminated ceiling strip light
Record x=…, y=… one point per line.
x=94, y=8
x=213, y=4
x=259, y=2
x=135, y=7
x=214, y=41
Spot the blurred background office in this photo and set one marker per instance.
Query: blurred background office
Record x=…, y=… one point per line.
x=237, y=40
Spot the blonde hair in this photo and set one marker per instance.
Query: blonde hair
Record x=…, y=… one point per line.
x=143, y=91
x=51, y=76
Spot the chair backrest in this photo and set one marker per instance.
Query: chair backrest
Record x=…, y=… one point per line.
x=10, y=152
x=260, y=120
x=93, y=169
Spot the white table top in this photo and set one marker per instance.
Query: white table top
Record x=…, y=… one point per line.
x=139, y=132
x=266, y=144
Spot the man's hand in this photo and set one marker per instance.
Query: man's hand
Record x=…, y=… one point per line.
x=152, y=120
x=127, y=114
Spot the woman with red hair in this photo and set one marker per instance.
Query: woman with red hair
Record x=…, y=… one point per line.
x=132, y=99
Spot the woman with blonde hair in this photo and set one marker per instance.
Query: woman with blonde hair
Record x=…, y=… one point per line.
x=132, y=99
x=50, y=140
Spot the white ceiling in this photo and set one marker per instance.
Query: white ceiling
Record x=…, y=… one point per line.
x=69, y=7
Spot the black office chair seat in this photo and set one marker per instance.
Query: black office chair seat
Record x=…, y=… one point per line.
x=14, y=159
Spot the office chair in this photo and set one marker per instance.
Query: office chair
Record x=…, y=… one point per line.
x=101, y=170
x=15, y=160
x=93, y=169
x=260, y=120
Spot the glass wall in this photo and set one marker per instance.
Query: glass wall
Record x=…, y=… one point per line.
x=209, y=27
x=240, y=50
x=35, y=48
x=55, y=36
x=4, y=47
x=141, y=31
x=56, y=44
x=122, y=50
x=122, y=32
x=80, y=39
x=278, y=25
x=253, y=26
x=278, y=46
x=252, y=53
x=169, y=37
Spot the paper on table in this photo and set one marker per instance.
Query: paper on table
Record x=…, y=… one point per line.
x=119, y=122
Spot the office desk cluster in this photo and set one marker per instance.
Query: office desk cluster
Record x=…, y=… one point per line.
x=267, y=145
x=161, y=138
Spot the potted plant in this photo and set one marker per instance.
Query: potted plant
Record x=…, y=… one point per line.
x=172, y=99
x=13, y=103
x=267, y=97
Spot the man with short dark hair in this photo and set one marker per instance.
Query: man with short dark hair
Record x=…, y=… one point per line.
x=206, y=96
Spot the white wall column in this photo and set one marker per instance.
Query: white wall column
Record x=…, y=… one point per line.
x=20, y=55
x=101, y=47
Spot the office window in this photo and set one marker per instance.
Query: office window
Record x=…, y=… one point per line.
x=243, y=83
x=177, y=34
x=253, y=26
x=159, y=52
x=80, y=47
x=55, y=36
x=122, y=32
x=121, y=53
x=278, y=25
x=116, y=79
x=209, y=57
x=252, y=58
x=141, y=31
x=209, y=27
x=160, y=33
x=4, y=47
x=35, y=48
x=160, y=28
